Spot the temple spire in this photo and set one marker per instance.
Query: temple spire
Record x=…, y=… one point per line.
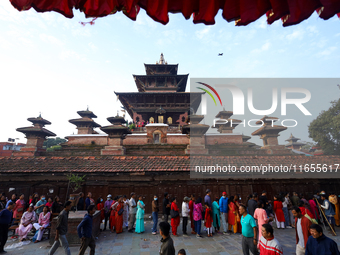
x=162, y=60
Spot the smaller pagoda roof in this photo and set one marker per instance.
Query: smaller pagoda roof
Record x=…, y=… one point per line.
x=268, y=130
x=83, y=121
x=224, y=114
x=266, y=120
x=37, y=130
x=87, y=113
x=292, y=138
x=39, y=120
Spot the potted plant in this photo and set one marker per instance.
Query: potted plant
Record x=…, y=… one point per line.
x=132, y=126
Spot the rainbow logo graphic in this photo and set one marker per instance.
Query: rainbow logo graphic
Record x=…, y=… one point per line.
x=209, y=93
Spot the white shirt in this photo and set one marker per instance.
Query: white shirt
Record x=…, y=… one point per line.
x=133, y=210
x=185, y=209
x=285, y=203
x=300, y=233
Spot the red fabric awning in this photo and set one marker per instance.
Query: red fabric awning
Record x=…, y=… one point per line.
x=243, y=12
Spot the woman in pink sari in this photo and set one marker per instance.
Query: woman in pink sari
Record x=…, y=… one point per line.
x=19, y=206
x=43, y=222
x=26, y=223
x=261, y=216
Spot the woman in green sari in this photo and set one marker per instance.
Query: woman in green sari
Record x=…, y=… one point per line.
x=140, y=215
x=216, y=215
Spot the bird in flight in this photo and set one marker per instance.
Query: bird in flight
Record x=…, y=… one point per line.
x=220, y=54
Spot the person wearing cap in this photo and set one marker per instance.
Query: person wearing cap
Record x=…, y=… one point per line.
x=185, y=215
x=5, y=221
x=26, y=223
x=132, y=212
x=223, y=203
x=107, y=207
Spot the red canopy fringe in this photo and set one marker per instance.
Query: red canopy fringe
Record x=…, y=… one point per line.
x=243, y=12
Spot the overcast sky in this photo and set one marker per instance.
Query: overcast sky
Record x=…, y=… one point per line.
x=56, y=66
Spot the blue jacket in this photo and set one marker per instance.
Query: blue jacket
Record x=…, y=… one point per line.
x=330, y=210
x=5, y=217
x=321, y=246
x=85, y=227
x=223, y=205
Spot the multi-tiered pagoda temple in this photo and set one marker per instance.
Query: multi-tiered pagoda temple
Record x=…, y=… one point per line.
x=161, y=96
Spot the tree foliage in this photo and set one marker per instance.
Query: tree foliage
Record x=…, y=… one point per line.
x=53, y=141
x=75, y=181
x=325, y=129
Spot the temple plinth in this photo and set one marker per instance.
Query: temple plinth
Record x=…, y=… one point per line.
x=161, y=96
x=85, y=124
x=35, y=135
x=195, y=132
x=116, y=134
x=293, y=143
x=226, y=124
x=269, y=133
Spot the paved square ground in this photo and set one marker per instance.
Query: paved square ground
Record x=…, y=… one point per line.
x=148, y=244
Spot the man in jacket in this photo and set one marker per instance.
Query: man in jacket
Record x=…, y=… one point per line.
x=5, y=221
x=223, y=203
x=268, y=244
x=167, y=246
x=301, y=230
x=319, y=244
x=61, y=230
x=85, y=232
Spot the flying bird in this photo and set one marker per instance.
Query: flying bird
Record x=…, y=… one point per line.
x=220, y=54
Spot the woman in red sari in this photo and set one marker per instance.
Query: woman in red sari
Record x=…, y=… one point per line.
x=174, y=221
x=232, y=215
x=112, y=219
x=100, y=207
x=279, y=216
x=119, y=215
x=208, y=219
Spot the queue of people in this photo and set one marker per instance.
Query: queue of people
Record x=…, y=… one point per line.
x=254, y=219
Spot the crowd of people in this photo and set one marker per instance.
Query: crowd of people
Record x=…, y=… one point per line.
x=253, y=218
